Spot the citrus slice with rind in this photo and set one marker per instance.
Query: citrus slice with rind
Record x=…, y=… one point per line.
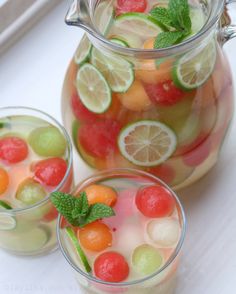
x=119, y=42
x=147, y=143
x=104, y=16
x=93, y=89
x=7, y=222
x=83, y=52
x=194, y=68
x=137, y=24
x=117, y=71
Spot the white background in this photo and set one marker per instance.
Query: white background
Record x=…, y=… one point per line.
x=31, y=74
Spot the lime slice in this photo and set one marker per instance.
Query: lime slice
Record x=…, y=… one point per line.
x=120, y=42
x=93, y=89
x=76, y=244
x=7, y=222
x=147, y=142
x=117, y=71
x=4, y=205
x=82, y=54
x=136, y=24
x=194, y=68
x=104, y=15
x=198, y=19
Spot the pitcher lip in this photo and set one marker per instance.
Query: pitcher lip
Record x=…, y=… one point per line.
x=152, y=53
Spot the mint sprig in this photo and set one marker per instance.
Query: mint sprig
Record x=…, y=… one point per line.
x=176, y=19
x=77, y=210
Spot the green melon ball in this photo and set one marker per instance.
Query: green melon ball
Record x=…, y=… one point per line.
x=47, y=141
x=146, y=259
x=30, y=192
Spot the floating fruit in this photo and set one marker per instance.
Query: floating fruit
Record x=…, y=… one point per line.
x=155, y=201
x=99, y=139
x=50, y=171
x=95, y=236
x=146, y=259
x=47, y=141
x=111, y=267
x=30, y=192
x=101, y=194
x=164, y=232
x=13, y=149
x=4, y=181
x=135, y=99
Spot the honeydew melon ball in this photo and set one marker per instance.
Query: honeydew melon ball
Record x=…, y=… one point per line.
x=164, y=232
x=146, y=259
x=30, y=192
x=47, y=141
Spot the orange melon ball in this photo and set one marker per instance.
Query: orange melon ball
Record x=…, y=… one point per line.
x=4, y=181
x=95, y=236
x=136, y=98
x=101, y=194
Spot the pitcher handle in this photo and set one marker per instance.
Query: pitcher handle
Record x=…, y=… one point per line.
x=228, y=30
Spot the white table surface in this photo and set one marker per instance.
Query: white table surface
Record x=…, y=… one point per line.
x=31, y=74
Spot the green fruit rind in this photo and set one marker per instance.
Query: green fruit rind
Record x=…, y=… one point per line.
x=92, y=105
x=137, y=15
x=75, y=242
x=117, y=71
x=83, y=52
x=187, y=59
x=130, y=127
x=120, y=42
x=5, y=205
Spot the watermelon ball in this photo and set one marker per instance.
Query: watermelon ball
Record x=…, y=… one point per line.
x=146, y=259
x=164, y=93
x=50, y=171
x=80, y=111
x=155, y=201
x=30, y=192
x=124, y=6
x=111, y=267
x=13, y=149
x=164, y=232
x=99, y=139
x=47, y=141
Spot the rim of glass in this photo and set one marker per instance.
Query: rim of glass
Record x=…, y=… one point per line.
x=117, y=172
x=69, y=149
x=186, y=45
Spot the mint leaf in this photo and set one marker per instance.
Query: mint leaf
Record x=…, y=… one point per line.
x=64, y=203
x=162, y=15
x=167, y=39
x=98, y=211
x=180, y=15
x=81, y=206
x=77, y=210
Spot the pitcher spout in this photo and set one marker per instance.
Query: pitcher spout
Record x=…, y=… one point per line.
x=78, y=15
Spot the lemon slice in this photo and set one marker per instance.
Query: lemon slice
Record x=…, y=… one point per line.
x=117, y=71
x=147, y=143
x=194, y=68
x=82, y=54
x=93, y=89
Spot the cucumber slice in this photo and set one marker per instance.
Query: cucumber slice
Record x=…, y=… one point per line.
x=93, y=89
x=117, y=71
x=83, y=52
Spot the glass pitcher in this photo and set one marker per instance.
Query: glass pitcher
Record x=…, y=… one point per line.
x=147, y=108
